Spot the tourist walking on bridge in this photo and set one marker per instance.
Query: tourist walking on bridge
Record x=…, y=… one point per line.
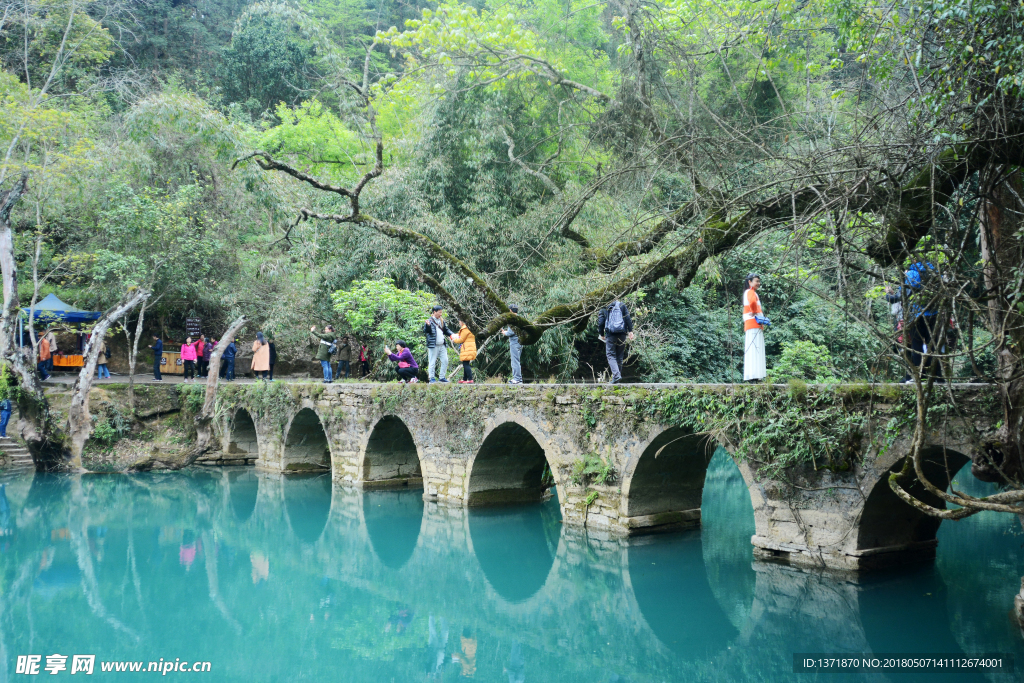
x=228, y=359
x=920, y=319
x=273, y=356
x=364, y=359
x=189, y=354
x=44, y=358
x=6, y=407
x=467, y=351
x=260, y=356
x=200, y=350
x=102, y=371
x=158, y=357
x=614, y=326
x=345, y=349
x=436, y=331
x=515, y=351
x=754, y=362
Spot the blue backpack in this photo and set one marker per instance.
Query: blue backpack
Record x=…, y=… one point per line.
x=615, y=323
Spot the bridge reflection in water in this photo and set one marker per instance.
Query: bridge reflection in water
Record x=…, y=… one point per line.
x=274, y=576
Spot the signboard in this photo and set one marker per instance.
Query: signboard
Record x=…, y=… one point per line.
x=193, y=327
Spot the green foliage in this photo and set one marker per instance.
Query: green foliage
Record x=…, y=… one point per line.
x=113, y=425
x=592, y=469
x=269, y=59
x=803, y=360
x=820, y=429
x=151, y=238
x=8, y=387
x=379, y=309
x=192, y=397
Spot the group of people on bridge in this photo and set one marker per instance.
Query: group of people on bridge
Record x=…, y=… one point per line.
x=913, y=311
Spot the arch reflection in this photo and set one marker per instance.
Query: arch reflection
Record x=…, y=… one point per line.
x=393, y=520
x=671, y=588
x=516, y=546
x=307, y=499
x=243, y=488
x=918, y=591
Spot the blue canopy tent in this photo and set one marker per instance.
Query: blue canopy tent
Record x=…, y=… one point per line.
x=52, y=309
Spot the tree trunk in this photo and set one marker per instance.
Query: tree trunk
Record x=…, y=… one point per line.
x=204, y=420
x=134, y=355
x=1002, y=252
x=79, y=419
x=40, y=437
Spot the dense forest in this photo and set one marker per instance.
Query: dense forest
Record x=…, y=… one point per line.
x=546, y=190
x=311, y=161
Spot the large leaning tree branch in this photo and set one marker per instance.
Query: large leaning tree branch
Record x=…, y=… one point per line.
x=79, y=420
x=204, y=420
x=1009, y=501
x=911, y=208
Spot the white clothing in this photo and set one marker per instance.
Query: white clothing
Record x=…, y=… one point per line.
x=438, y=334
x=754, y=364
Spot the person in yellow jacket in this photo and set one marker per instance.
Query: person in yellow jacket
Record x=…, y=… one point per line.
x=467, y=352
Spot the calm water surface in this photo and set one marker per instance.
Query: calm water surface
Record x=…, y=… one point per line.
x=274, y=579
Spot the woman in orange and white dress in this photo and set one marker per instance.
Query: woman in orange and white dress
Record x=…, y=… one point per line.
x=754, y=365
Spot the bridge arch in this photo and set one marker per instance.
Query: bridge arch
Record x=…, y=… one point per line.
x=889, y=526
x=306, y=446
x=390, y=457
x=511, y=465
x=663, y=484
x=243, y=438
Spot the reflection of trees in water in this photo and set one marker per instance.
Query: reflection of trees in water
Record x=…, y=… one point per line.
x=328, y=605
x=979, y=560
x=515, y=547
x=727, y=523
x=393, y=520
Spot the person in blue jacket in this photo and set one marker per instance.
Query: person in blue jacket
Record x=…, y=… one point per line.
x=6, y=408
x=920, y=317
x=229, y=361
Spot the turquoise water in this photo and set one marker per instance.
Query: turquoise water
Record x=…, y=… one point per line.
x=274, y=579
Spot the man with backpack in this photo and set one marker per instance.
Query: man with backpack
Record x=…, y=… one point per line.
x=920, y=324
x=614, y=327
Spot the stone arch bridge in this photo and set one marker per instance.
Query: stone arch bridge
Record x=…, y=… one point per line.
x=615, y=462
